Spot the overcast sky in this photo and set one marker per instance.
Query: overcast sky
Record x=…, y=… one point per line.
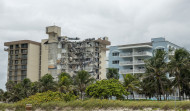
x=123, y=21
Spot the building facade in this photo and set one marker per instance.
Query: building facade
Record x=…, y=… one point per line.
x=129, y=59
x=70, y=55
x=57, y=54
x=23, y=60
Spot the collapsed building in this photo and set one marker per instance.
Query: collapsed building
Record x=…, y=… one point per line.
x=58, y=54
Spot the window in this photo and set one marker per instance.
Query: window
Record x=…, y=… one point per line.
x=24, y=51
x=24, y=56
x=24, y=62
x=17, y=46
x=16, y=73
x=11, y=46
x=115, y=54
x=10, y=73
x=23, y=72
x=23, y=66
x=16, y=62
x=16, y=51
x=24, y=46
x=11, y=52
x=23, y=77
x=115, y=62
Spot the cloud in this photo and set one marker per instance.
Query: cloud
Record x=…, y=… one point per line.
x=123, y=21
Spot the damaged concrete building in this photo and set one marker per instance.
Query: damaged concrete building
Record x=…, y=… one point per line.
x=65, y=54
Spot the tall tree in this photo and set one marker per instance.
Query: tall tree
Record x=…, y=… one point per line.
x=48, y=83
x=156, y=69
x=112, y=73
x=65, y=83
x=179, y=68
x=131, y=83
x=82, y=80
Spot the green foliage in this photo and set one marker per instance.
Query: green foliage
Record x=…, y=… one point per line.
x=112, y=73
x=47, y=83
x=131, y=83
x=96, y=104
x=106, y=89
x=44, y=97
x=156, y=69
x=82, y=80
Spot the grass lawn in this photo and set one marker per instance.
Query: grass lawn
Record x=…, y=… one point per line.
x=103, y=104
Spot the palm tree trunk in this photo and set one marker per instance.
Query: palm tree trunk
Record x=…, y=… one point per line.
x=81, y=95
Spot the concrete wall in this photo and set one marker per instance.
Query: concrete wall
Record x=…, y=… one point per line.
x=33, y=62
x=44, y=58
x=103, y=64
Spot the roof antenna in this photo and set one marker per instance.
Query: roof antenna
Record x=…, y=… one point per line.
x=54, y=23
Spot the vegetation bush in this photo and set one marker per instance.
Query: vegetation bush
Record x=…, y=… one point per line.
x=106, y=89
x=45, y=97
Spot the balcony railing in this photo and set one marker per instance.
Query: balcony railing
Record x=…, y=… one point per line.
x=126, y=71
x=125, y=54
x=139, y=62
x=139, y=71
x=126, y=63
x=144, y=53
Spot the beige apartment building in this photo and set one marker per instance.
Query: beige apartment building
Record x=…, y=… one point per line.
x=57, y=54
x=23, y=60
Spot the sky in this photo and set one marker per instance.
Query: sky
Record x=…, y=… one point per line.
x=123, y=21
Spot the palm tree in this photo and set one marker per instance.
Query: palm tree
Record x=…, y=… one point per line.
x=65, y=83
x=112, y=73
x=156, y=71
x=47, y=83
x=82, y=80
x=131, y=83
x=179, y=63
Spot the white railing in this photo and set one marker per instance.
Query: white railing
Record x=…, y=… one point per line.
x=125, y=54
x=142, y=53
x=126, y=71
x=125, y=63
x=139, y=71
x=138, y=62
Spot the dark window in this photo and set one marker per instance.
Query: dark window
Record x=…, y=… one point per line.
x=115, y=54
x=23, y=77
x=24, y=46
x=16, y=73
x=115, y=62
x=23, y=66
x=11, y=46
x=17, y=46
x=23, y=72
x=24, y=56
x=11, y=52
x=24, y=62
x=16, y=62
x=24, y=51
x=16, y=51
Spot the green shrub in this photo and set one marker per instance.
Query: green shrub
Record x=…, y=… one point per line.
x=45, y=97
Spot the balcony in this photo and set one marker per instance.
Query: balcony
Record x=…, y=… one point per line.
x=138, y=62
x=139, y=71
x=126, y=71
x=123, y=63
x=144, y=53
x=125, y=54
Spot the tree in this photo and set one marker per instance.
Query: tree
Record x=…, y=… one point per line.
x=1, y=95
x=156, y=69
x=131, y=83
x=47, y=83
x=65, y=83
x=112, y=73
x=82, y=80
x=106, y=89
x=179, y=68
